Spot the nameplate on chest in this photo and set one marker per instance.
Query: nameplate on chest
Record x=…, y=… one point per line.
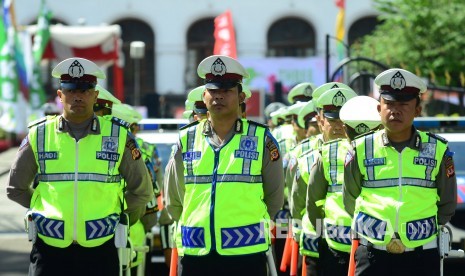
x=191, y=155
x=109, y=156
x=48, y=155
x=425, y=161
x=374, y=162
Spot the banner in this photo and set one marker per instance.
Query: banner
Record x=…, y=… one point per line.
x=225, y=38
x=8, y=78
x=264, y=72
x=41, y=38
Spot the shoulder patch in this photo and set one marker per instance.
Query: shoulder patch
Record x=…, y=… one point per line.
x=435, y=136
x=120, y=122
x=257, y=123
x=189, y=125
x=449, y=163
x=24, y=143
x=36, y=122
x=273, y=149
x=131, y=144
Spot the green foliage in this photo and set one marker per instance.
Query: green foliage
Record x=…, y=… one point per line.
x=422, y=36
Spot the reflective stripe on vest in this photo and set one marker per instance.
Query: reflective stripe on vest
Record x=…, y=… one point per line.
x=103, y=227
x=337, y=220
x=80, y=177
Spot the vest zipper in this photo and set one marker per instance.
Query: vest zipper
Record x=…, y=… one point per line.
x=396, y=227
x=76, y=175
x=213, y=195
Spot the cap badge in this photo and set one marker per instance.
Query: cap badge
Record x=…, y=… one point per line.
x=76, y=70
x=362, y=128
x=218, y=68
x=339, y=99
x=308, y=91
x=398, y=81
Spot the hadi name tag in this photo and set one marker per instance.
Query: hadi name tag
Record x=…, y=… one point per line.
x=47, y=155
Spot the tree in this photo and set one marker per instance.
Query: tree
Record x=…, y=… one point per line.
x=422, y=36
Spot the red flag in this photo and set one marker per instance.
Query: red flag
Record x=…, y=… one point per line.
x=340, y=3
x=225, y=39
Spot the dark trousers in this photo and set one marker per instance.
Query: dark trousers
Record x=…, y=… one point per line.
x=312, y=264
x=74, y=260
x=215, y=264
x=370, y=261
x=332, y=262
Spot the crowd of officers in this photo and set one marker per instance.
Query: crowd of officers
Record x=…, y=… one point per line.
x=240, y=197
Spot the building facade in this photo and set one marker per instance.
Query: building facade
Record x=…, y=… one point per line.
x=178, y=34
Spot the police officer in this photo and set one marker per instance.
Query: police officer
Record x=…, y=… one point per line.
x=137, y=232
x=228, y=184
x=200, y=109
x=78, y=160
x=299, y=168
x=324, y=194
x=399, y=184
x=188, y=111
x=50, y=109
x=272, y=107
x=105, y=101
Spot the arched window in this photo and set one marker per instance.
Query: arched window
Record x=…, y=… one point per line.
x=136, y=30
x=291, y=37
x=361, y=27
x=200, y=43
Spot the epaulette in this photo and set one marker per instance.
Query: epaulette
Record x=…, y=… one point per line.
x=189, y=125
x=333, y=141
x=120, y=122
x=36, y=122
x=364, y=134
x=435, y=136
x=257, y=123
x=306, y=152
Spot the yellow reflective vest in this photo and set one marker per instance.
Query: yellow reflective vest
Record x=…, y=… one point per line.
x=399, y=192
x=223, y=207
x=337, y=221
x=308, y=237
x=79, y=193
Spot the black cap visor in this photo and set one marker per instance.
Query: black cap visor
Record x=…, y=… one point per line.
x=398, y=97
x=332, y=114
x=214, y=84
x=77, y=85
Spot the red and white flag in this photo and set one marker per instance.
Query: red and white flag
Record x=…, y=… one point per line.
x=225, y=39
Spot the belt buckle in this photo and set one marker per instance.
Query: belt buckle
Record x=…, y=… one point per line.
x=395, y=246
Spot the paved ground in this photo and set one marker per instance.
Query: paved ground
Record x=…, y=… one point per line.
x=14, y=246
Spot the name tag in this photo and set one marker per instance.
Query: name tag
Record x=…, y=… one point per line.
x=425, y=161
x=48, y=155
x=110, y=156
x=246, y=154
x=374, y=162
x=191, y=155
